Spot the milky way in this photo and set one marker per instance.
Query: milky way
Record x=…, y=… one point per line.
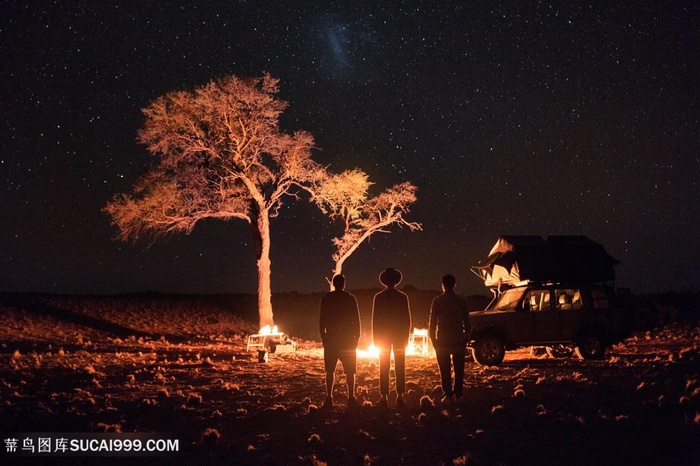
x=509, y=118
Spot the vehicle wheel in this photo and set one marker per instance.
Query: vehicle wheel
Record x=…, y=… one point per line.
x=560, y=351
x=591, y=345
x=489, y=351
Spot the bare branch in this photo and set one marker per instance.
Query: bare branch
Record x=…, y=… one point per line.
x=220, y=154
x=344, y=197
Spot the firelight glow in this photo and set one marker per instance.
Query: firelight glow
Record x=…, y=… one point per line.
x=418, y=343
x=417, y=346
x=267, y=330
x=371, y=352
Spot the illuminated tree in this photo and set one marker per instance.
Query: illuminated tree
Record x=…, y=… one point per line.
x=345, y=197
x=220, y=155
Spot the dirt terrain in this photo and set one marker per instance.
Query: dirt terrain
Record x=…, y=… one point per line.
x=179, y=365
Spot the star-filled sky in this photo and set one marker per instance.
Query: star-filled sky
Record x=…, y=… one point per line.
x=510, y=117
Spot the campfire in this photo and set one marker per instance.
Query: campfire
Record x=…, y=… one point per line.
x=270, y=340
x=371, y=352
x=418, y=345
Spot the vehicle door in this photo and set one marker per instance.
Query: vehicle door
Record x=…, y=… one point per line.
x=512, y=313
x=545, y=316
x=521, y=323
x=570, y=306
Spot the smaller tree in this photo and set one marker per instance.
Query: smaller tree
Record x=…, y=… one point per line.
x=345, y=197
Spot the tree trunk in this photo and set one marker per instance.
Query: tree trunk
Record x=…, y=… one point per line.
x=261, y=240
x=337, y=271
x=338, y=267
x=341, y=260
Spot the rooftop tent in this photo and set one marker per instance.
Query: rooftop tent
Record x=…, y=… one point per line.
x=557, y=259
x=516, y=258
x=581, y=259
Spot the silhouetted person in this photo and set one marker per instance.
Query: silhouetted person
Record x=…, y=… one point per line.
x=339, y=325
x=391, y=326
x=449, y=329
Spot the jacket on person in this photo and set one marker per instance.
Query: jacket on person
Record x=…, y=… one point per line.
x=339, y=320
x=449, y=320
x=391, y=318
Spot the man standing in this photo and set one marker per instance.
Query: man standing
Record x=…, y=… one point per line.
x=391, y=326
x=339, y=325
x=449, y=329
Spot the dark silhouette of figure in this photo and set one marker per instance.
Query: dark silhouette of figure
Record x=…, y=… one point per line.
x=391, y=326
x=449, y=329
x=339, y=325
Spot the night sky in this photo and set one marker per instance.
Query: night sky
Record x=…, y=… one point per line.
x=510, y=119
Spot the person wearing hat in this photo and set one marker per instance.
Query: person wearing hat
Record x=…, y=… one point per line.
x=391, y=326
x=449, y=329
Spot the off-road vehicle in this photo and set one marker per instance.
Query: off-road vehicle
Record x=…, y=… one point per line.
x=563, y=318
x=554, y=293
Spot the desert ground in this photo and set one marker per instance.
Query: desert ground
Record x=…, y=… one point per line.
x=179, y=365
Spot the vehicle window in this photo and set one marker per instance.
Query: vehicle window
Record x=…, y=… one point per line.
x=568, y=299
x=539, y=300
x=577, y=300
x=509, y=300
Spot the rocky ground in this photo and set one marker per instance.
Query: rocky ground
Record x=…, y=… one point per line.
x=179, y=365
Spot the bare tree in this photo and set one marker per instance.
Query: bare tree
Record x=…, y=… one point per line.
x=221, y=154
x=345, y=197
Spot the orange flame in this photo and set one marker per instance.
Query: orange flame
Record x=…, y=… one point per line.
x=267, y=330
x=417, y=346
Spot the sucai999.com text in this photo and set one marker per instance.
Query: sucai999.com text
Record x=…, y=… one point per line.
x=85, y=444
